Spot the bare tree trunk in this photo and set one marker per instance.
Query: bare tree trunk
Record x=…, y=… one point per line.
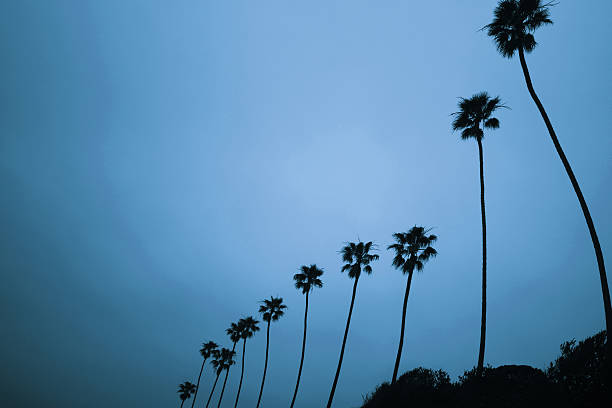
x=483, y=318
x=241, y=372
x=348, y=322
x=198, y=385
x=213, y=389
x=263, y=380
x=302, y=358
x=401, y=342
x=583, y=205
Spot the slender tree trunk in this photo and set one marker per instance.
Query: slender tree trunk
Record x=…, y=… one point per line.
x=182, y=403
x=241, y=372
x=263, y=380
x=583, y=205
x=483, y=318
x=213, y=389
x=225, y=380
x=401, y=342
x=348, y=322
x=302, y=358
x=198, y=384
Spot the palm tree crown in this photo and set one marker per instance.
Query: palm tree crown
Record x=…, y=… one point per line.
x=249, y=327
x=308, y=278
x=357, y=256
x=473, y=111
x=234, y=332
x=208, y=349
x=413, y=249
x=272, y=309
x=514, y=22
x=185, y=390
x=223, y=360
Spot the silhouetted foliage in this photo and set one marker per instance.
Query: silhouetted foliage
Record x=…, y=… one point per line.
x=248, y=326
x=185, y=390
x=577, y=378
x=208, y=349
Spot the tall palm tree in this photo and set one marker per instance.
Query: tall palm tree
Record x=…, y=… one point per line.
x=249, y=327
x=227, y=360
x=217, y=363
x=234, y=332
x=473, y=113
x=512, y=29
x=357, y=257
x=307, y=280
x=412, y=250
x=271, y=310
x=185, y=390
x=206, y=351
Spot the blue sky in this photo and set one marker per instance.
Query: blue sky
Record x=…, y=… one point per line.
x=166, y=165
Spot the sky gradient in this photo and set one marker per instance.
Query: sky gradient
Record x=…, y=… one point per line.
x=166, y=165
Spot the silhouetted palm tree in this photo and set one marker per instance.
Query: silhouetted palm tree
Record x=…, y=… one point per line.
x=234, y=332
x=412, y=250
x=357, y=257
x=206, y=351
x=249, y=327
x=185, y=390
x=307, y=280
x=474, y=113
x=217, y=363
x=271, y=310
x=513, y=25
x=227, y=360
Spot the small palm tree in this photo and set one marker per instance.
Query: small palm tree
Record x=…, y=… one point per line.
x=473, y=113
x=227, y=360
x=512, y=28
x=217, y=363
x=206, y=351
x=412, y=250
x=307, y=280
x=357, y=258
x=271, y=310
x=185, y=390
x=249, y=327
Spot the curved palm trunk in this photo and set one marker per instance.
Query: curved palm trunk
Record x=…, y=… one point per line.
x=213, y=389
x=401, y=342
x=583, y=205
x=263, y=380
x=198, y=384
x=225, y=380
x=182, y=403
x=302, y=358
x=348, y=322
x=483, y=318
x=241, y=372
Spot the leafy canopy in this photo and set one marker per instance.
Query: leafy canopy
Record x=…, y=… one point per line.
x=223, y=360
x=208, y=349
x=413, y=249
x=514, y=22
x=249, y=327
x=357, y=256
x=272, y=309
x=234, y=332
x=185, y=390
x=308, y=278
x=473, y=111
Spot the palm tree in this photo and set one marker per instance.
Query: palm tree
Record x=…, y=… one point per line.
x=271, y=310
x=412, y=250
x=217, y=363
x=512, y=29
x=473, y=113
x=206, y=351
x=249, y=327
x=234, y=332
x=227, y=360
x=185, y=390
x=357, y=257
x=307, y=280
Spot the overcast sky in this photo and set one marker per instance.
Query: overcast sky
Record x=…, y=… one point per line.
x=165, y=165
